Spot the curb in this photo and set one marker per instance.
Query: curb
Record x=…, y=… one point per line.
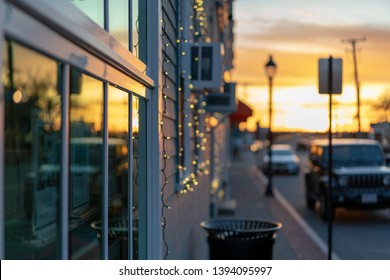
x=294, y=214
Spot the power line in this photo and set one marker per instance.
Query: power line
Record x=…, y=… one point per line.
x=353, y=42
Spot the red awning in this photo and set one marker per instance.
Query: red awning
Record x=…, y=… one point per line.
x=243, y=112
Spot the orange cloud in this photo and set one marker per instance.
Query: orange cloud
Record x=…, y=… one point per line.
x=297, y=53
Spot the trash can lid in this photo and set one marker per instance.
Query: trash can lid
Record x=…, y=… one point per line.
x=230, y=228
x=114, y=225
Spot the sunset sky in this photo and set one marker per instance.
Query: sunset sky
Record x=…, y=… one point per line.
x=297, y=33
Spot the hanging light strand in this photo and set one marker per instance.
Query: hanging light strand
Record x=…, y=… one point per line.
x=198, y=29
x=165, y=156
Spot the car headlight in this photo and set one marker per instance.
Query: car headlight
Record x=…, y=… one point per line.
x=386, y=180
x=342, y=181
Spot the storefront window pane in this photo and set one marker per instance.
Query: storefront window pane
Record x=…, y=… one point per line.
x=135, y=194
x=86, y=158
x=119, y=21
x=136, y=27
x=32, y=153
x=139, y=177
x=118, y=164
x=92, y=8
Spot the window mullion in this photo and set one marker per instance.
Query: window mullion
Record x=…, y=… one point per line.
x=106, y=16
x=2, y=132
x=130, y=26
x=105, y=225
x=64, y=186
x=130, y=179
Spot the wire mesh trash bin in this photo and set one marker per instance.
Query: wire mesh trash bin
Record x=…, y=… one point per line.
x=240, y=239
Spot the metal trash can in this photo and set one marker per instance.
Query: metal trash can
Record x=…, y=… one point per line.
x=235, y=239
x=117, y=237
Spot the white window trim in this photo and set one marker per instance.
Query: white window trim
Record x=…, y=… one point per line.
x=154, y=70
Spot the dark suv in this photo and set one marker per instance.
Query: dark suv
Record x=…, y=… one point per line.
x=361, y=178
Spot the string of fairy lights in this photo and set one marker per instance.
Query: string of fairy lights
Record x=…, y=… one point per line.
x=164, y=113
x=200, y=20
x=196, y=105
x=198, y=29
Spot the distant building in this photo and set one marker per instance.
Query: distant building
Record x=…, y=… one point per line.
x=381, y=132
x=107, y=149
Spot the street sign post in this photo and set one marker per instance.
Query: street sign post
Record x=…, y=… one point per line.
x=330, y=82
x=330, y=75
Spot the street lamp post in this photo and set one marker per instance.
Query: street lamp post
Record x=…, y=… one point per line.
x=270, y=71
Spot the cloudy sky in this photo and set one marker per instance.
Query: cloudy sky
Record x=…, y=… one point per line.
x=297, y=33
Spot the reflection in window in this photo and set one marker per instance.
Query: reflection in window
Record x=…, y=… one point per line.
x=139, y=178
x=86, y=157
x=119, y=24
x=135, y=158
x=32, y=153
x=135, y=26
x=118, y=164
x=119, y=21
x=92, y=8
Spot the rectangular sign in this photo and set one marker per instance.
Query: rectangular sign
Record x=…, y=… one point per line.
x=222, y=102
x=330, y=75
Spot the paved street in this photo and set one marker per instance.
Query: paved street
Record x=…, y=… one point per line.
x=356, y=234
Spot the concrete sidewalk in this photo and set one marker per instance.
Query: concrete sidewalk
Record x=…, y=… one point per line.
x=296, y=240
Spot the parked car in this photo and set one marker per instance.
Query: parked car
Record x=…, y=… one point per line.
x=284, y=160
x=361, y=178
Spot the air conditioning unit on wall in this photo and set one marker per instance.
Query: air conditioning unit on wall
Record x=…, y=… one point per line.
x=222, y=102
x=206, y=66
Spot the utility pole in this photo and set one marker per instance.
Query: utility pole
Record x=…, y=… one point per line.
x=353, y=42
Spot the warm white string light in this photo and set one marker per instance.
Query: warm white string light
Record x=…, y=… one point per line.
x=198, y=28
x=165, y=137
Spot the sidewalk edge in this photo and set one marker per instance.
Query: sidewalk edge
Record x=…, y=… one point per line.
x=305, y=226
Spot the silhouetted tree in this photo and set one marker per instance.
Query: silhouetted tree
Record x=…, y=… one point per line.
x=382, y=105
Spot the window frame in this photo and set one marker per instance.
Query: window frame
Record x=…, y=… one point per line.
x=2, y=136
x=94, y=53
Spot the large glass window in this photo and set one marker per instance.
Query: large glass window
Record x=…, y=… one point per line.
x=139, y=177
x=92, y=8
x=125, y=195
x=41, y=133
x=86, y=158
x=32, y=153
x=123, y=20
x=136, y=27
x=118, y=164
x=119, y=21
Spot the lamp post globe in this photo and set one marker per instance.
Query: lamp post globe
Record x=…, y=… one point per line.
x=270, y=71
x=270, y=68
